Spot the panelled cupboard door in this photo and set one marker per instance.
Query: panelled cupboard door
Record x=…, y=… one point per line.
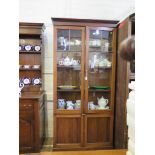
x=68, y=69
x=68, y=131
x=26, y=133
x=26, y=126
x=98, y=131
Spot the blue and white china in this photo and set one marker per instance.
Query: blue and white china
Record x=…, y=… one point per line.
x=26, y=66
x=61, y=104
x=21, y=86
x=26, y=80
x=91, y=105
x=28, y=48
x=36, y=66
x=70, y=105
x=76, y=62
x=36, y=81
x=77, y=104
x=67, y=61
x=20, y=47
x=37, y=48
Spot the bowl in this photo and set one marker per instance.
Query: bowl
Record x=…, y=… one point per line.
x=26, y=66
x=36, y=66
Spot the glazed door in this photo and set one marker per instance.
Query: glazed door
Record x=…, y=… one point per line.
x=68, y=70
x=100, y=70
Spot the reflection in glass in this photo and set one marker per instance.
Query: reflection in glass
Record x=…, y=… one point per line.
x=69, y=44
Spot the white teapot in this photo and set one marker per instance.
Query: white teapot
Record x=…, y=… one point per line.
x=67, y=61
x=102, y=102
x=70, y=105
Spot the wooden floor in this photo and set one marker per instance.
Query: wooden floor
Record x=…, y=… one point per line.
x=97, y=152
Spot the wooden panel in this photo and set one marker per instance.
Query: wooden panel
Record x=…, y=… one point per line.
x=99, y=131
x=84, y=22
x=121, y=92
x=30, y=28
x=26, y=128
x=68, y=130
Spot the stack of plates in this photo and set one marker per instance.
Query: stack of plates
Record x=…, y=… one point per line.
x=67, y=87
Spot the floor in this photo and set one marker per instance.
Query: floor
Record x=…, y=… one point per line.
x=97, y=152
x=47, y=150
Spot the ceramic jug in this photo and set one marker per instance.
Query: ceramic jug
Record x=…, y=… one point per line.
x=61, y=104
x=102, y=102
x=77, y=104
x=70, y=105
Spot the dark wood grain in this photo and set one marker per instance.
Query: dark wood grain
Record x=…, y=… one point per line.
x=31, y=101
x=121, y=92
x=84, y=129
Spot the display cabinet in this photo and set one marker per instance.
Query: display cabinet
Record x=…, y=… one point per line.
x=84, y=83
x=31, y=99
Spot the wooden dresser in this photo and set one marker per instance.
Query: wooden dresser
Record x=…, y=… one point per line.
x=31, y=101
x=31, y=121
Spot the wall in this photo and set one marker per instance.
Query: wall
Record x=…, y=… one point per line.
x=43, y=10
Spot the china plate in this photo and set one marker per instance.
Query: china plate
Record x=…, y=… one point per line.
x=67, y=87
x=100, y=87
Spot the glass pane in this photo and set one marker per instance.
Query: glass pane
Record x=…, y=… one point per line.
x=100, y=70
x=100, y=40
x=75, y=40
x=63, y=40
x=69, y=71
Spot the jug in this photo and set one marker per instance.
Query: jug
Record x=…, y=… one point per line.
x=102, y=102
x=61, y=104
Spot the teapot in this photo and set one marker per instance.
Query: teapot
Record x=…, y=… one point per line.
x=67, y=61
x=77, y=104
x=102, y=102
x=70, y=105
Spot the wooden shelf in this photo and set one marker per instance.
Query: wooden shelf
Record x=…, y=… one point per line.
x=99, y=90
x=30, y=69
x=70, y=67
x=68, y=90
x=91, y=70
x=69, y=51
x=102, y=52
x=29, y=52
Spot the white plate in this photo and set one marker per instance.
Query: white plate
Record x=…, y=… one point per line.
x=67, y=87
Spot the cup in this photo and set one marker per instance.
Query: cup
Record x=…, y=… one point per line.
x=26, y=66
x=77, y=104
x=92, y=106
x=60, y=62
x=76, y=62
x=36, y=66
